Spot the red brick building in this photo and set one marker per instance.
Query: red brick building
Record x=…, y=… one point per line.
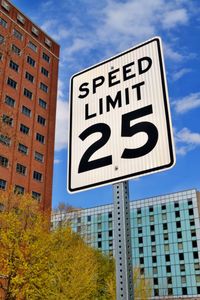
x=28, y=90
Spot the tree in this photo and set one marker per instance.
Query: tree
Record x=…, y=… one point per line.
x=24, y=246
x=36, y=263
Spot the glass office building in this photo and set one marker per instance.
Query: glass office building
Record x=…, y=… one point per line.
x=165, y=239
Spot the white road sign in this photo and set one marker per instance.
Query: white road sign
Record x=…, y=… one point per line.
x=120, y=124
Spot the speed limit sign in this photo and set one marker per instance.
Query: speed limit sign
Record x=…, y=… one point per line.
x=120, y=124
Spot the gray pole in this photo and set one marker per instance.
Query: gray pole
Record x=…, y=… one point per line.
x=122, y=237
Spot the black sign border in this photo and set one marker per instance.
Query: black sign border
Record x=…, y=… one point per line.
x=137, y=174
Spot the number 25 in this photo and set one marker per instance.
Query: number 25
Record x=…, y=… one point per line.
x=127, y=131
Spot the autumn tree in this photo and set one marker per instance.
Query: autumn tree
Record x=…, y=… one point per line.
x=36, y=263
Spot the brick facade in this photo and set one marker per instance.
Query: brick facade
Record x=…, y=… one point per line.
x=28, y=90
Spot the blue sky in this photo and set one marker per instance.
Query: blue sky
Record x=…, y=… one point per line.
x=90, y=31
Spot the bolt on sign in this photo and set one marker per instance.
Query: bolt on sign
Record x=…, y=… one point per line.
x=120, y=125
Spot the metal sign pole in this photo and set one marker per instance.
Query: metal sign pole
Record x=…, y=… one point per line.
x=122, y=237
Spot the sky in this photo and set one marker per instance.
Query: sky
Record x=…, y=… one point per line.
x=90, y=31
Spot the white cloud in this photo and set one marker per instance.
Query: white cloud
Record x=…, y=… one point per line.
x=186, y=141
x=62, y=119
x=188, y=137
x=177, y=75
x=187, y=103
x=77, y=45
x=174, y=18
x=172, y=54
x=57, y=161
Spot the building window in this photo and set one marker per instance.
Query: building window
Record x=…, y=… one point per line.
x=164, y=216
x=99, y=244
x=141, y=251
x=28, y=93
x=3, y=22
x=197, y=278
x=37, y=176
x=151, y=209
x=155, y=281
x=2, y=184
x=194, y=244
x=39, y=156
x=169, y=280
x=35, y=31
x=7, y=120
x=42, y=103
x=192, y=223
x=177, y=214
x=139, y=230
x=41, y=120
x=153, y=238
x=44, y=72
x=5, y=140
x=139, y=220
x=154, y=259
x=22, y=148
x=181, y=256
x=179, y=235
x=15, y=50
x=9, y=101
x=46, y=57
x=155, y=270
x=139, y=211
x=3, y=161
x=47, y=42
x=20, y=18
x=24, y=129
x=168, y=269
x=26, y=111
x=184, y=291
x=178, y=224
x=195, y=255
x=43, y=87
x=182, y=268
x=140, y=240
x=170, y=291
x=89, y=218
x=152, y=228
x=180, y=246
x=40, y=138
x=20, y=169
x=166, y=237
x=176, y=204
x=110, y=243
x=141, y=260
x=183, y=279
x=165, y=227
x=17, y=34
x=153, y=249
x=151, y=218
x=19, y=189
x=29, y=77
x=193, y=233
x=110, y=233
x=30, y=61
x=1, y=39
x=99, y=235
x=36, y=196
x=166, y=247
x=163, y=207
x=12, y=83
x=156, y=292
x=14, y=66
x=110, y=215
x=167, y=257
x=32, y=46
x=191, y=212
